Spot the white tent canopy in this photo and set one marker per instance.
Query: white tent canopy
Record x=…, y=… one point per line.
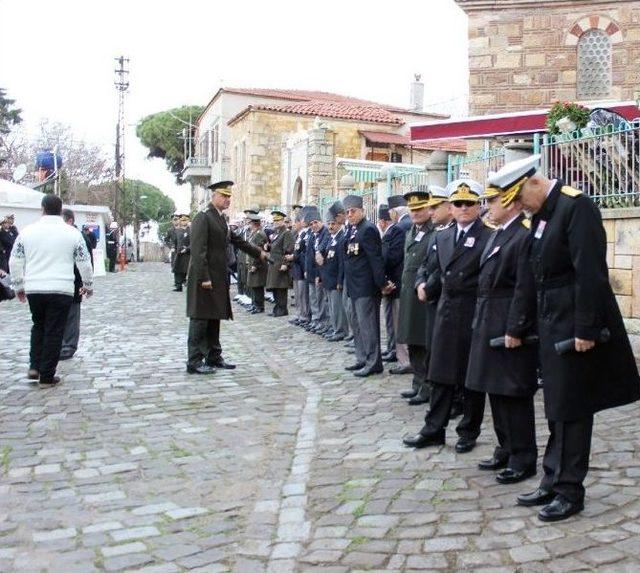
x=14, y=194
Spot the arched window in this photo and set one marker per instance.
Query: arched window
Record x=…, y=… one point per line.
x=594, y=64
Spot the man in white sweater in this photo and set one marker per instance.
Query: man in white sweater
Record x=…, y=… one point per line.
x=41, y=267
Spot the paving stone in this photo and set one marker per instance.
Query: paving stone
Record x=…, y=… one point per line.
x=134, y=533
x=123, y=549
x=528, y=553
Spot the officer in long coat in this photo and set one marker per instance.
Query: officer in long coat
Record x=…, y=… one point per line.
x=241, y=260
x=170, y=238
x=506, y=308
x=575, y=303
x=256, y=267
x=297, y=262
x=182, y=250
x=208, y=300
x=279, y=272
x=366, y=282
x=459, y=249
x=413, y=313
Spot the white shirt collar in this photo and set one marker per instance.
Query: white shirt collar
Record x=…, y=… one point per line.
x=505, y=225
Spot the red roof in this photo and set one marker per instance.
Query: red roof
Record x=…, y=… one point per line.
x=333, y=109
x=453, y=145
x=525, y=122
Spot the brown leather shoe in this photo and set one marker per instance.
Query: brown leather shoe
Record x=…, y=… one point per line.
x=33, y=374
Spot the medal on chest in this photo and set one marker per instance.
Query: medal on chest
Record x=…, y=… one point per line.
x=540, y=230
x=419, y=236
x=469, y=242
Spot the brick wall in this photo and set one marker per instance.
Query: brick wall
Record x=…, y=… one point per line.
x=522, y=58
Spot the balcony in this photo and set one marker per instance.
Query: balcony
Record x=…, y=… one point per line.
x=196, y=169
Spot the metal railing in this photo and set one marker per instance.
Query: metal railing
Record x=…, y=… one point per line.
x=603, y=163
x=196, y=161
x=476, y=165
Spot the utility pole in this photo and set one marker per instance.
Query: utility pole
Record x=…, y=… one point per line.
x=122, y=86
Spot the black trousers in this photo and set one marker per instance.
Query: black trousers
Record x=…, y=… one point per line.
x=203, y=342
x=49, y=314
x=280, y=299
x=515, y=427
x=566, y=458
x=439, y=414
x=179, y=279
x=257, y=297
x=418, y=361
x=112, y=262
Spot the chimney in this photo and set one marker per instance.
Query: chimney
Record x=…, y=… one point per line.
x=416, y=97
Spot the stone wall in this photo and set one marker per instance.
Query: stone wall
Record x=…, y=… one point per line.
x=524, y=57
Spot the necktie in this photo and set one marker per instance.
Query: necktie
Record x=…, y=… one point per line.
x=460, y=236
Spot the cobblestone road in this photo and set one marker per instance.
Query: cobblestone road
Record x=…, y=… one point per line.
x=286, y=464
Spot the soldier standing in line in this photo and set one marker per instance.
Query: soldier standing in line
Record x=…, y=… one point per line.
x=366, y=282
x=411, y=323
x=321, y=240
x=311, y=214
x=256, y=267
x=459, y=249
x=340, y=218
x=170, y=238
x=182, y=251
x=575, y=306
x=297, y=262
x=279, y=274
x=506, y=308
x=241, y=260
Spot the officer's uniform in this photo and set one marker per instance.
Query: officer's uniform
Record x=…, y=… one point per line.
x=256, y=268
x=182, y=250
x=574, y=299
x=506, y=305
x=301, y=288
x=310, y=267
x=112, y=239
x=241, y=260
x=278, y=273
x=320, y=243
x=458, y=253
x=364, y=278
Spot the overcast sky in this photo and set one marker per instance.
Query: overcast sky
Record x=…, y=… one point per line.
x=56, y=58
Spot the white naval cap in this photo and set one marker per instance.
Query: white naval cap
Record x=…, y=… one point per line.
x=438, y=195
x=513, y=172
x=464, y=189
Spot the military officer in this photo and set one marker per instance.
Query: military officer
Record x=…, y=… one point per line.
x=170, y=238
x=506, y=307
x=208, y=299
x=366, y=282
x=411, y=324
x=241, y=260
x=278, y=274
x=182, y=250
x=458, y=249
x=575, y=303
x=340, y=218
x=320, y=237
x=256, y=267
x=311, y=214
x=112, y=239
x=332, y=277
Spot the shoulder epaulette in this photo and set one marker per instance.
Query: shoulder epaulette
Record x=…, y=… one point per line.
x=526, y=223
x=570, y=191
x=489, y=225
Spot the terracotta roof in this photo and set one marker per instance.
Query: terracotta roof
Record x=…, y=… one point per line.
x=453, y=145
x=333, y=109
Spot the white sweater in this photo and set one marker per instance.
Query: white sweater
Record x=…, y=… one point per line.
x=43, y=256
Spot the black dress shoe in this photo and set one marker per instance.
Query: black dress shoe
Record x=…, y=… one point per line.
x=421, y=441
x=356, y=366
x=408, y=393
x=335, y=338
x=202, y=369
x=539, y=496
x=256, y=311
x=422, y=397
x=177, y=289
x=389, y=358
x=465, y=445
x=349, y=338
x=559, y=509
x=493, y=464
x=65, y=355
x=364, y=372
x=220, y=363
x=49, y=382
x=294, y=321
x=401, y=370
x=510, y=475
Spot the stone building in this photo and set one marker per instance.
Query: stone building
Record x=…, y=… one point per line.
x=526, y=54
x=280, y=146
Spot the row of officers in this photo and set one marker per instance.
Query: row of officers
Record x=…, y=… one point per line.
x=482, y=309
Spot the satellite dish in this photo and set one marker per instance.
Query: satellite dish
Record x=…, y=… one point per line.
x=19, y=172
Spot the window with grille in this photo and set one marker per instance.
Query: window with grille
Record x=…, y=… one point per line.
x=594, y=65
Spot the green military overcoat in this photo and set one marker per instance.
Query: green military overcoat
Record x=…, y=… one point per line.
x=282, y=244
x=256, y=269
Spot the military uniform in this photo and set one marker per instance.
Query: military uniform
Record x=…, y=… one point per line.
x=112, y=239
x=303, y=311
x=210, y=237
x=332, y=277
x=256, y=270
x=279, y=280
x=505, y=304
x=182, y=249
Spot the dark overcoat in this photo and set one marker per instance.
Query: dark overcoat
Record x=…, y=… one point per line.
x=210, y=237
x=299, y=254
x=282, y=243
x=256, y=268
x=505, y=305
x=412, y=314
x=182, y=246
x=459, y=268
x=331, y=272
x=363, y=264
x=393, y=242
x=575, y=299
x=310, y=267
